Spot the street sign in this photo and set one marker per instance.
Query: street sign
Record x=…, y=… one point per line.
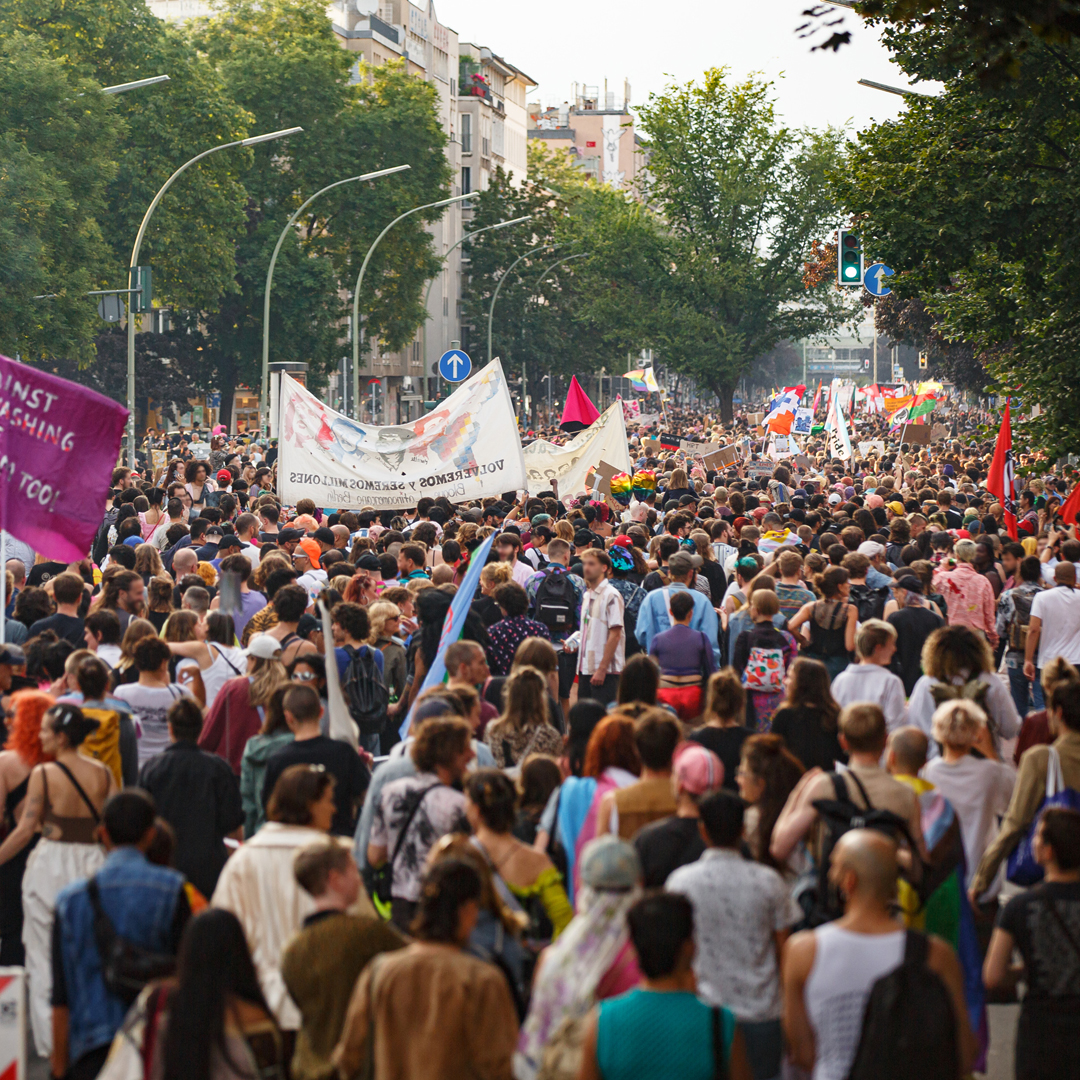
x=111, y=308
x=874, y=279
x=143, y=301
x=454, y=365
x=215, y=400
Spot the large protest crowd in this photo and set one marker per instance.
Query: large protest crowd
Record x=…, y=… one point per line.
x=759, y=770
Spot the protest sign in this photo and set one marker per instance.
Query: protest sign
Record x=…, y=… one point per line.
x=58, y=446
x=720, y=459
x=647, y=419
x=754, y=419
x=200, y=451
x=651, y=446
x=599, y=478
x=604, y=440
x=872, y=446
x=940, y=431
x=803, y=463
x=918, y=434
x=466, y=449
x=159, y=460
x=688, y=447
x=804, y=421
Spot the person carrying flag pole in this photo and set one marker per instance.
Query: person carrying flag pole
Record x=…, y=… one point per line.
x=1001, y=481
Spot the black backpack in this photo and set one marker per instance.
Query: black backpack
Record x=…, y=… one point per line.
x=821, y=901
x=870, y=602
x=364, y=690
x=556, y=602
x=909, y=1027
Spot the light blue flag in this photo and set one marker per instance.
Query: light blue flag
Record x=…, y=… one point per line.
x=454, y=622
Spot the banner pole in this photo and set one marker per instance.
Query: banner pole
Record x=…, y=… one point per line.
x=3, y=585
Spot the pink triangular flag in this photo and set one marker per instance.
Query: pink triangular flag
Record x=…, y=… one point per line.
x=580, y=412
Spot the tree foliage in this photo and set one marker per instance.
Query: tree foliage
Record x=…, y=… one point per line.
x=970, y=196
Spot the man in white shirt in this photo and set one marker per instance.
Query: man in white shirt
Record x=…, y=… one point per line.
x=306, y=563
x=602, y=651
x=247, y=528
x=1054, y=628
x=870, y=679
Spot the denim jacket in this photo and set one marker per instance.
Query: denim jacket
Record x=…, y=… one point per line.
x=140, y=900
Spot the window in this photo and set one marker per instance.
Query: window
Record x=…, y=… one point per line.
x=498, y=140
x=466, y=133
x=466, y=180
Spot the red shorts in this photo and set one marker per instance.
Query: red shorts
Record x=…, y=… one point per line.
x=685, y=700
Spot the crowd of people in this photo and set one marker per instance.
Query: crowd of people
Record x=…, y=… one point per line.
x=717, y=772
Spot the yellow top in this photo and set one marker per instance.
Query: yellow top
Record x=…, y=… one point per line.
x=549, y=887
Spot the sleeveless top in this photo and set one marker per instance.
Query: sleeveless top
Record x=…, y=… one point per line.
x=68, y=830
x=14, y=797
x=228, y=662
x=664, y=1036
x=828, y=639
x=846, y=966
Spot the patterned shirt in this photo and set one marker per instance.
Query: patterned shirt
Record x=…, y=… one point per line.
x=970, y=598
x=792, y=598
x=442, y=811
x=1006, y=606
x=506, y=635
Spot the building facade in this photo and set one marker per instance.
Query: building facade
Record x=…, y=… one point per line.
x=596, y=127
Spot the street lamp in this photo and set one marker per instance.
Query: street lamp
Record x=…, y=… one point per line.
x=123, y=88
x=360, y=281
x=264, y=415
x=427, y=295
x=499, y=285
x=252, y=141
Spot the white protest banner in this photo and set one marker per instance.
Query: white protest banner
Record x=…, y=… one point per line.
x=200, y=451
x=804, y=421
x=467, y=448
x=604, y=440
x=872, y=446
x=647, y=419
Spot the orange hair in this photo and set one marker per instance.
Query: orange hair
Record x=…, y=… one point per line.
x=25, y=731
x=612, y=744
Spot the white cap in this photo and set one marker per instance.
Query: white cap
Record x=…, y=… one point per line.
x=834, y=499
x=264, y=646
x=871, y=549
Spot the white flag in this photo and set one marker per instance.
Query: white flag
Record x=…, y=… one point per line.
x=839, y=439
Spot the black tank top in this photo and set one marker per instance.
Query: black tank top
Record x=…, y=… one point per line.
x=828, y=640
x=14, y=797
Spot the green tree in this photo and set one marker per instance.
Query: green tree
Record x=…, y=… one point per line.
x=56, y=139
x=282, y=63
x=737, y=200
x=970, y=197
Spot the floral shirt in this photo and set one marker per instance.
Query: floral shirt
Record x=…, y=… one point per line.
x=1006, y=606
x=970, y=598
x=506, y=635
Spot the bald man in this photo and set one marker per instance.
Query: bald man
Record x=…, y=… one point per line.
x=341, y=537
x=828, y=973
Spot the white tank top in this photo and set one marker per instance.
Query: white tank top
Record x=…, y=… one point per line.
x=228, y=663
x=846, y=966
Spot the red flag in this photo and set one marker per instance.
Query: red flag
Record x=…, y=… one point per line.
x=1002, y=479
x=1071, y=508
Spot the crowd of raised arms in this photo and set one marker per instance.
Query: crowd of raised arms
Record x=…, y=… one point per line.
x=771, y=770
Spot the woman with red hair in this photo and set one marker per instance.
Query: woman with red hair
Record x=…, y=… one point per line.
x=21, y=753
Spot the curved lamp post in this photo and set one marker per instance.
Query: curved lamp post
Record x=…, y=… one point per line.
x=467, y=236
x=252, y=141
x=499, y=285
x=360, y=281
x=264, y=392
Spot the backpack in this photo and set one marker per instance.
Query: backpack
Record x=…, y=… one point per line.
x=556, y=602
x=870, y=602
x=364, y=690
x=909, y=1026
x=1018, y=629
x=104, y=744
x=820, y=901
x=764, y=670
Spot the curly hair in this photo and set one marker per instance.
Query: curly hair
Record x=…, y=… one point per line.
x=24, y=734
x=956, y=651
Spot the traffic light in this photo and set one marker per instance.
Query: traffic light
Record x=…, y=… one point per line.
x=922, y=361
x=849, y=258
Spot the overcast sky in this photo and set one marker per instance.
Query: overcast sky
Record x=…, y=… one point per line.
x=561, y=41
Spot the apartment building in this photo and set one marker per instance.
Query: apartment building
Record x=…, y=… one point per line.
x=596, y=127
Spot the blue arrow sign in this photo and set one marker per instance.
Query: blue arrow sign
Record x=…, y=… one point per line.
x=874, y=279
x=455, y=365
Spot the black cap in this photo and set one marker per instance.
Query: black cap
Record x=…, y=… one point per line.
x=287, y=536
x=323, y=535
x=230, y=540
x=583, y=538
x=368, y=561
x=13, y=655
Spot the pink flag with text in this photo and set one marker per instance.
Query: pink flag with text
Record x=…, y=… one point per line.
x=59, y=443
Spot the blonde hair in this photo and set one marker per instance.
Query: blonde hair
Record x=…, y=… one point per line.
x=497, y=573
x=378, y=614
x=564, y=530
x=957, y=723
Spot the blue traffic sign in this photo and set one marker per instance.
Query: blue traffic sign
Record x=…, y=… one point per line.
x=874, y=279
x=455, y=365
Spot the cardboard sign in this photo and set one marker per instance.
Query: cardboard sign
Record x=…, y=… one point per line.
x=722, y=458
x=599, y=479
x=688, y=447
x=651, y=446
x=159, y=460
x=754, y=419
x=940, y=431
x=918, y=434
x=803, y=463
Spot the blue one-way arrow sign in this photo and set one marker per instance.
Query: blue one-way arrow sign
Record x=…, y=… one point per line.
x=874, y=279
x=455, y=365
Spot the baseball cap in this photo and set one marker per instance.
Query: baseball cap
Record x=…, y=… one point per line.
x=897, y=507
x=230, y=540
x=681, y=562
x=368, y=561
x=834, y=499
x=308, y=549
x=610, y=864
x=540, y=519
x=263, y=646
x=287, y=536
x=871, y=549
x=13, y=655
x=583, y=537
x=323, y=535
x=224, y=476
x=697, y=770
